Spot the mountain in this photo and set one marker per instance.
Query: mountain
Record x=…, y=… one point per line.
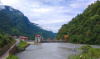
x=22, y=24
x=6, y=25
x=85, y=27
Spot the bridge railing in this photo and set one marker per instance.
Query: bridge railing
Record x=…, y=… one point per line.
x=58, y=41
x=53, y=40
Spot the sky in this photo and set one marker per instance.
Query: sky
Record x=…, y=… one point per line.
x=49, y=14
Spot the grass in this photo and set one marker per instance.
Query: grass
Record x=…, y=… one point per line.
x=22, y=45
x=12, y=57
x=88, y=53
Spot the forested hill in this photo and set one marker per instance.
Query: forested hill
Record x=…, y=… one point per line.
x=14, y=22
x=6, y=25
x=85, y=27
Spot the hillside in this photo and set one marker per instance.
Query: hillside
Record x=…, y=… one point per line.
x=22, y=24
x=85, y=27
x=6, y=25
x=6, y=40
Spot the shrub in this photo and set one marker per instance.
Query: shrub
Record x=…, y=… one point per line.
x=22, y=45
x=88, y=53
x=12, y=57
x=85, y=48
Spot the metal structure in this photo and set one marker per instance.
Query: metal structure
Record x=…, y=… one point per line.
x=52, y=41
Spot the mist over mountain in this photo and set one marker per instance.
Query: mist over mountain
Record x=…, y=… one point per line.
x=20, y=24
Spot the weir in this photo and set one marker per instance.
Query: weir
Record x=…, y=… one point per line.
x=52, y=41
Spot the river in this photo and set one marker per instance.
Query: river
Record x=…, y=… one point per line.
x=50, y=51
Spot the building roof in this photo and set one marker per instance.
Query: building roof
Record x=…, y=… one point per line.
x=38, y=35
x=20, y=36
x=24, y=38
x=14, y=36
x=48, y=38
x=54, y=38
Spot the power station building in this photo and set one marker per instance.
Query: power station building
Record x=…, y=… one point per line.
x=38, y=38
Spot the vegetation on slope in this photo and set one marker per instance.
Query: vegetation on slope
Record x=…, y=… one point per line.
x=22, y=24
x=22, y=45
x=12, y=57
x=88, y=53
x=6, y=25
x=85, y=27
x=6, y=40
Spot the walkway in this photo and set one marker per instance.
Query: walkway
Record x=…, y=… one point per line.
x=6, y=54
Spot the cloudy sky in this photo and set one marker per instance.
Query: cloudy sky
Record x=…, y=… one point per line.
x=49, y=14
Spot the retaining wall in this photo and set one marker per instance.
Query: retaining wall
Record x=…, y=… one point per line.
x=12, y=50
x=3, y=50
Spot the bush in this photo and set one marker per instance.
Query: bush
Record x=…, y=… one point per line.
x=12, y=57
x=88, y=53
x=5, y=40
x=94, y=53
x=85, y=48
x=22, y=45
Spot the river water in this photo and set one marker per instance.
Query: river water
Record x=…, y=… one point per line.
x=50, y=51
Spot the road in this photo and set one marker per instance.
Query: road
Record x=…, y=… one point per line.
x=6, y=54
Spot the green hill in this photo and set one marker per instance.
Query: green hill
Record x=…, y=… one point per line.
x=19, y=25
x=6, y=25
x=85, y=27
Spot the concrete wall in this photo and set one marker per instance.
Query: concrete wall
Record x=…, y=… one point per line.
x=13, y=50
x=3, y=50
x=37, y=39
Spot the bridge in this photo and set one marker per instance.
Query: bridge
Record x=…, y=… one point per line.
x=52, y=41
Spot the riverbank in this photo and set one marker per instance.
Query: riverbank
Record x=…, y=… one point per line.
x=6, y=42
x=32, y=42
x=88, y=52
x=12, y=57
x=22, y=45
x=8, y=50
x=50, y=51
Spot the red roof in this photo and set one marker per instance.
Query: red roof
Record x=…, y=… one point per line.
x=38, y=35
x=54, y=38
x=14, y=36
x=48, y=38
x=20, y=36
x=24, y=38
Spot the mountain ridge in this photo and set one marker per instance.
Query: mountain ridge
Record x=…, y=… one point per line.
x=24, y=26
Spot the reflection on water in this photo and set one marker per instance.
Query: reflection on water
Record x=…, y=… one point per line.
x=49, y=51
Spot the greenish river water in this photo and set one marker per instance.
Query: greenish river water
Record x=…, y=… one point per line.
x=50, y=51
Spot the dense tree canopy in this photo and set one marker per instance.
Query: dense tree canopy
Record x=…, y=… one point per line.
x=14, y=22
x=85, y=27
x=6, y=25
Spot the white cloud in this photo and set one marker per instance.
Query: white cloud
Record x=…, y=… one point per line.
x=50, y=14
x=10, y=2
x=42, y=10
